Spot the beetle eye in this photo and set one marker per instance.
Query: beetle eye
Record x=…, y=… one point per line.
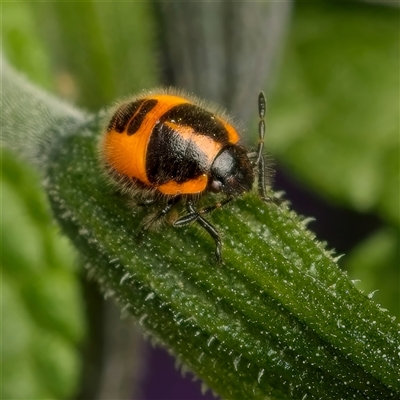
x=216, y=186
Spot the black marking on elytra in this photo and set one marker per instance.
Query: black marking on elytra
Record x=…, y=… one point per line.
x=203, y=122
x=123, y=115
x=172, y=157
x=137, y=120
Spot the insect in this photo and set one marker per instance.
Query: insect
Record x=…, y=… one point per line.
x=163, y=148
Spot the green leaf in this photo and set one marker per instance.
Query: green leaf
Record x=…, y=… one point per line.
x=279, y=307
x=277, y=319
x=22, y=44
x=97, y=52
x=42, y=319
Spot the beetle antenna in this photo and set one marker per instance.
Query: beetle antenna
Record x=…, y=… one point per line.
x=262, y=106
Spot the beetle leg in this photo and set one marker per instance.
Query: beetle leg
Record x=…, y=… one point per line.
x=194, y=215
x=147, y=223
x=147, y=202
x=209, y=209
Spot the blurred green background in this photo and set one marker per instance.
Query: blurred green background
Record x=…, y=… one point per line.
x=331, y=74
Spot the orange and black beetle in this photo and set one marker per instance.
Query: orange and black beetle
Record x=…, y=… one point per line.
x=162, y=147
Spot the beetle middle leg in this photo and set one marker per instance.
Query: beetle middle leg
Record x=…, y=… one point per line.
x=196, y=215
x=153, y=219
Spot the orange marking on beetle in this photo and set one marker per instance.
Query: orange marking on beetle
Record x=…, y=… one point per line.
x=232, y=133
x=165, y=103
x=127, y=153
x=195, y=185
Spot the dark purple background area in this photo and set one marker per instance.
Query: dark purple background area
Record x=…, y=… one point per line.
x=164, y=381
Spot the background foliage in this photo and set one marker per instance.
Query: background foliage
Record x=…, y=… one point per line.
x=333, y=132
